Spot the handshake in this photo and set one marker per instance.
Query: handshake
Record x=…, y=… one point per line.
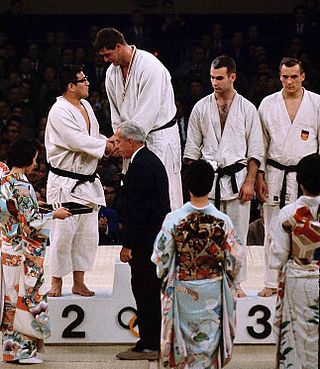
x=112, y=148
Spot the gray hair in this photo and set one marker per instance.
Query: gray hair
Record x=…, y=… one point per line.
x=130, y=130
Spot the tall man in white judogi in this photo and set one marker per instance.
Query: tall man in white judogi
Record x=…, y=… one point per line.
x=139, y=90
x=224, y=129
x=73, y=147
x=290, y=121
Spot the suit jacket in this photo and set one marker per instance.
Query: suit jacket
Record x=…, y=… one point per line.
x=95, y=77
x=145, y=41
x=144, y=202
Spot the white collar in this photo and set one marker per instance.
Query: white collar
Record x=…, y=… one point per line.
x=135, y=153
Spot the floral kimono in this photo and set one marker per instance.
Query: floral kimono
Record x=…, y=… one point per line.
x=198, y=254
x=23, y=305
x=295, y=252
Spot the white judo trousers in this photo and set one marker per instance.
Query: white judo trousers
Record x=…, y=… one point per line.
x=240, y=216
x=270, y=276
x=168, y=155
x=74, y=249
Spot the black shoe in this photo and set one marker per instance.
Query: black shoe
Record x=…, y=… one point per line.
x=138, y=354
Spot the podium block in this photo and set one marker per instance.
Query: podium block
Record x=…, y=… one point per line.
x=109, y=316
x=77, y=319
x=255, y=317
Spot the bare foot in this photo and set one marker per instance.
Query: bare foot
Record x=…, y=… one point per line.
x=240, y=292
x=54, y=293
x=267, y=292
x=82, y=290
x=56, y=287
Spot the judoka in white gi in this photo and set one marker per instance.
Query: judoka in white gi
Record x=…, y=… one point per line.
x=139, y=90
x=224, y=129
x=290, y=121
x=73, y=147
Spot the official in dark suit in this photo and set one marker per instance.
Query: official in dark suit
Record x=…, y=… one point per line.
x=144, y=202
x=140, y=33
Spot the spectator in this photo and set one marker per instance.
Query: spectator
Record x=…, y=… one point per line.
x=52, y=53
x=33, y=53
x=219, y=45
x=67, y=57
x=108, y=218
x=97, y=71
x=80, y=57
x=101, y=110
x=10, y=133
x=196, y=68
x=4, y=112
x=49, y=89
x=170, y=36
x=182, y=122
x=256, y=230
x=140, y=33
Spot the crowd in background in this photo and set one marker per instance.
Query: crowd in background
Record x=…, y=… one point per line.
x=33, y=50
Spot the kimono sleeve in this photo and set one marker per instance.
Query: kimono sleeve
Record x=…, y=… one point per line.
x=3, y=168
x=34, y=225
x=280, y=242
x=235, y=251
x=318, y=123
x=163, y=248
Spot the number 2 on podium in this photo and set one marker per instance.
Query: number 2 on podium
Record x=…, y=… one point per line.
x=69, y=330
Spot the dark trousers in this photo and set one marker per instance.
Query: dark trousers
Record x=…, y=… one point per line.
x=146, y=290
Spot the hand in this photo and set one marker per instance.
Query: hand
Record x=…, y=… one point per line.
x=188, y=161
x=103, y=224
x=246, y=191
x=61, y=213
x=261, y=188
x=125, y=254
x=111, y=148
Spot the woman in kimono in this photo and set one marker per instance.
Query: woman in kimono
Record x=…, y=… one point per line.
x=295, y=253
x=24, y=232
x=198, y=254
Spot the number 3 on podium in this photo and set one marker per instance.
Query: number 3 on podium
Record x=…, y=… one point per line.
x=261, y=321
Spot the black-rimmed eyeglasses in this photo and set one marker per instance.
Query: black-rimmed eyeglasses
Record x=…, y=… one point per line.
x=84, y=79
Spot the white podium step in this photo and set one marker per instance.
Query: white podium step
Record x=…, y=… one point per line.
x=108, y=317
x=95, y=319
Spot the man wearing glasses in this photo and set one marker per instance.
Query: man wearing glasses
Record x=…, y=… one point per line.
x=74, y=146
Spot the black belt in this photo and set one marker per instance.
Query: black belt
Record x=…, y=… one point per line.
x=168, y=125
x=230, y=171
x=80, y=177
x=287, y=169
